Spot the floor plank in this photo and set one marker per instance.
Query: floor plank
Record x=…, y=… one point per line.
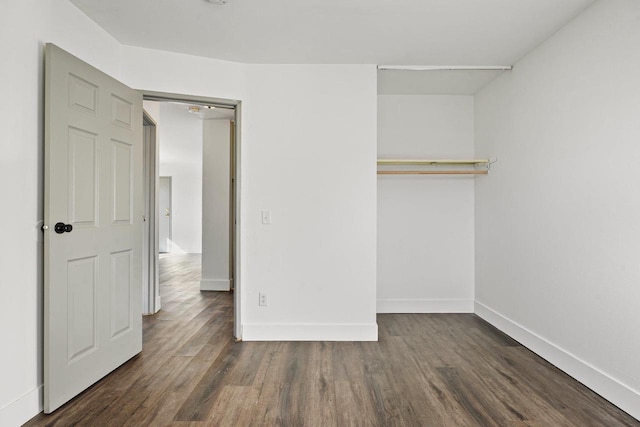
x=425, y=370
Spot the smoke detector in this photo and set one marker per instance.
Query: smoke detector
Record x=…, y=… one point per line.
x=218, y=1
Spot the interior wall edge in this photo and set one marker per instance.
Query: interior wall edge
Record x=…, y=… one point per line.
x=601, y=383
x=22, y=409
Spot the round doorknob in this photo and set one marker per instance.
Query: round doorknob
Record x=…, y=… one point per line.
x=61, y=227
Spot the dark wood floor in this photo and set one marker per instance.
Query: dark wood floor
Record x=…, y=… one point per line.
x=426, y=370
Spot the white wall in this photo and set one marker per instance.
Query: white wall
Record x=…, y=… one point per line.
x=308, y=156
x=425, y=223
x=25, y=25
x=180, y=141
x=308, y=150
x=155, y=70
x=557, y=220
x=216, y=172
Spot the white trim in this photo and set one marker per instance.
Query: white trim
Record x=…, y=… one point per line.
x=237, y=258
x=22, y=409
x=425, y=306
x=215, y=285
x=310, y=332
x=150, y=249
x=608, y=387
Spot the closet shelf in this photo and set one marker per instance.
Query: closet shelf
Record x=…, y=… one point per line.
x=425, y=165
x=437, y=172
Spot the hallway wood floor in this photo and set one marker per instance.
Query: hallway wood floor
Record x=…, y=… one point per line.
x=426, y=370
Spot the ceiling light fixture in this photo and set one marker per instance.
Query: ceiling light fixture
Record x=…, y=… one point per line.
x=194, y=109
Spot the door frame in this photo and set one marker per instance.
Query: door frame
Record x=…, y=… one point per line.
x=236, y=192
x=150, y=241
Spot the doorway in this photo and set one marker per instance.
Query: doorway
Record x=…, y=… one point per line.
x=165, y=195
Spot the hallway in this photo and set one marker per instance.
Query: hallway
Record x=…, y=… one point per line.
x=426, y=370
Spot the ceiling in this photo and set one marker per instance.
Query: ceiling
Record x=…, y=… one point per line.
x=400, y=32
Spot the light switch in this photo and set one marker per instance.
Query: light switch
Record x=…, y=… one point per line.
x=266, y=217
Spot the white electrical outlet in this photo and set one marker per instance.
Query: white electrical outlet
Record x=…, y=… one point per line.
x=262, y=299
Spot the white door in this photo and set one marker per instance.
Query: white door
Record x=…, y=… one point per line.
x=164, y=214
x=92, y=258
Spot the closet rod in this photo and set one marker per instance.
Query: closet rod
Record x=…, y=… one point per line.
x=436, y=172
x=446, y=67
x=432, y=162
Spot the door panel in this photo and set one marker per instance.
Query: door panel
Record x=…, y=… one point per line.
x=120, y=294
x=83, y=173
x=93, y=182
x=81, y=307
x=121, y=162
x=83, y=96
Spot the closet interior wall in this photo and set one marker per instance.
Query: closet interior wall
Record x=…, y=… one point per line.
x=425, y=223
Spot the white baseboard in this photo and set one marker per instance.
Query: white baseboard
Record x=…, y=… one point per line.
x=215, y=285
x=23, y=409
x=606, y=386
x=425, y=306
x=309, y=332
